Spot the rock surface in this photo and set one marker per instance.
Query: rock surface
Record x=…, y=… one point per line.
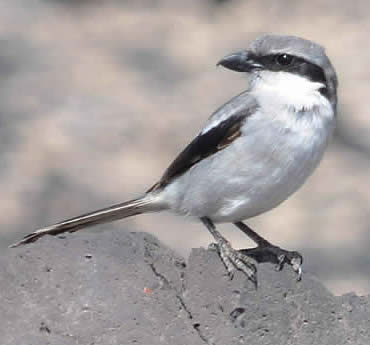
x=126, y=288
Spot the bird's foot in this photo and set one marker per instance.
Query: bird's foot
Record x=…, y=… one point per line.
x=277, y=256
x=235, y=260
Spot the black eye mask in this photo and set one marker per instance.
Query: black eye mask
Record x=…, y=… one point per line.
x=296, y=65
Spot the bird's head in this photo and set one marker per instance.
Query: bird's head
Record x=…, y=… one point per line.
x=287, y=62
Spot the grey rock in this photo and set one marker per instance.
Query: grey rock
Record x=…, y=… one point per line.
x=125, y=288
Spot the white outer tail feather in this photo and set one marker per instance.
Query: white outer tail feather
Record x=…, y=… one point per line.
x=145, y=204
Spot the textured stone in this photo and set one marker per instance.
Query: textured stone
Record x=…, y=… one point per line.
x=125, y=288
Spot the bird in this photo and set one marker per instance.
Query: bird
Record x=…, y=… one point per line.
x=252, y=153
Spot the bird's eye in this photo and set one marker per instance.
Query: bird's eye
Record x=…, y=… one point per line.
x=284, y=59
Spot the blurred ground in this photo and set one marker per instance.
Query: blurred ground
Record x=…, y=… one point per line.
x=94, y=104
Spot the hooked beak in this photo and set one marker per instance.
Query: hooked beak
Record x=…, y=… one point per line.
x=240, y=62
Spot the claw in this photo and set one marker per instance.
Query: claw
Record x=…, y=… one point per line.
x=213, y=246
x=297, y=266
x=254, y=280
x=277, y=256
x=281, y=261
x=299, y=274
x=233, y=260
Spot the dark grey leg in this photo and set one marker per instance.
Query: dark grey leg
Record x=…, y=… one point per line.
x=232, y=259
x=266, y=252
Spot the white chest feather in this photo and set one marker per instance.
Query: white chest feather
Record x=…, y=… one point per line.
x=280, y=146
x=287, y=89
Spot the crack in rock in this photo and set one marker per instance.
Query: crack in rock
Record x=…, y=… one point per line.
x=164, y=282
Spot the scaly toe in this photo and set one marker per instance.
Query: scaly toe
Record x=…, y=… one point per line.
x=277, y=256
x=233, y=260
x=281, y=261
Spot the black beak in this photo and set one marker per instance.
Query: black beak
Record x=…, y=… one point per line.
x=240, y=62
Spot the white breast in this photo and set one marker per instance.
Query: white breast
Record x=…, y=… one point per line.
x=281, y=145
x=287, y=89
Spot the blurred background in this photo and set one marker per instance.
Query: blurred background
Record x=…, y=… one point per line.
x=97, y=98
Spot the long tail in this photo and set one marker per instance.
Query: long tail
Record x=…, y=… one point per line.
x=127, y=209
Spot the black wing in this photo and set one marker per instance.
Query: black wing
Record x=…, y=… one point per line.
x=213, y=140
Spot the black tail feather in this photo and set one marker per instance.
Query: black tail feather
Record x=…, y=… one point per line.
x=109, y=214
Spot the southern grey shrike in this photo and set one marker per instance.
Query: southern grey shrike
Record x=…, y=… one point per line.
x=252, y=154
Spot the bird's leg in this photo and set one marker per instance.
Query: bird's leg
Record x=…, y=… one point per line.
x=266, y=252
x=232, y=259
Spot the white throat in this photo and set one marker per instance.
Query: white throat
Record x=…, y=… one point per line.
x=284, y=89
